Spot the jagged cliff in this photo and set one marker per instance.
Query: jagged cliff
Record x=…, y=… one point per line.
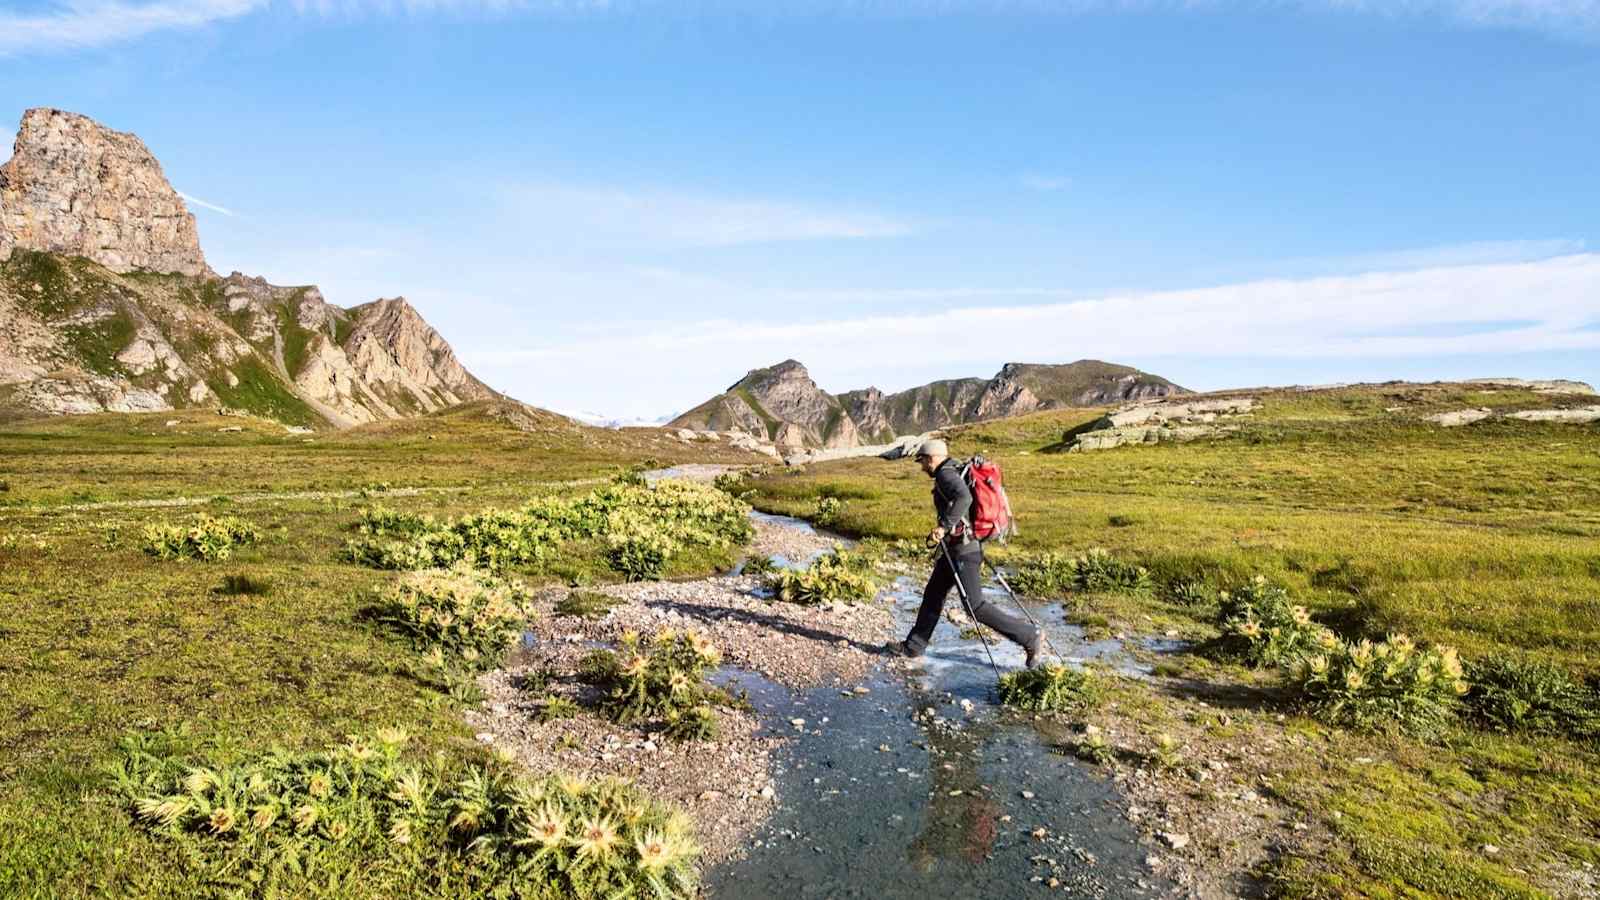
x=782, y=404
x=107, y=304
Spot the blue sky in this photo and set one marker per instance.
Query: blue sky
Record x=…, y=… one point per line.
x=623, y=206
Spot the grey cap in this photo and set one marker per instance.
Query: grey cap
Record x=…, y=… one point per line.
x=933, y=447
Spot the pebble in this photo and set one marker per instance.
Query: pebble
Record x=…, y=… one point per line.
x=1175, y=840
x=1490, y=849
x=485, y=737
x=767, y=793
x=1027, y=795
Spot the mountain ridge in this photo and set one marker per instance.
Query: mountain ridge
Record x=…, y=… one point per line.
x=783, y=405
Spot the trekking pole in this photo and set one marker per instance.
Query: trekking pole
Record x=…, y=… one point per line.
x=1018, y=601
x=967, y=602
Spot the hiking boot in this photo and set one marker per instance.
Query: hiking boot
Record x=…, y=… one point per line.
x=900, y=649
x=1032, y=649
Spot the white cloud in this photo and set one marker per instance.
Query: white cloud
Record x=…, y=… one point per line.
x=1528, y=307
x=95, y=23
x=1040, y=182
x=196, y=201
x=616, y=215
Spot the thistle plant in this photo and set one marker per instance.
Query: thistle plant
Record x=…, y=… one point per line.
x=1096, y=571
x=1168, y=752
x=1052, y=687
x=208, y=538
x=1093, y=747
x=663, y=680
x=1511, y=694
x=480, y=825
x=827, y=510
x=1391, y=686
x=461, y=613
x=838, y=575
x=1262, y=627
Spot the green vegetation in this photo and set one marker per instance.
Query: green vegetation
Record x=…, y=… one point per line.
x=1050, y=688
x=1097, y=571
x=662, y=682
x=586, y=604
x=837, y=576
x=1375, y=522
x=1516, y=695
x=1389, y=685
x=102, y=639
x=206, y=538
x=469, y=615
x=772, y=423
x=1263, y=628
x=295, y=338
x=643, y=527
x=97, y=343
x=262, y=393
x=272, y=824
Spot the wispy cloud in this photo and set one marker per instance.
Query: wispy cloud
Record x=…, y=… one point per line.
x=196, y=201
x=656, y=217
x=1040, y=182
x=94, y=23
x=1531, y=307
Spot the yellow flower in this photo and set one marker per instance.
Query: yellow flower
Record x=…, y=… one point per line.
x=1250, y=628
x=392, y=737
x=573, y=785
x=1354, y=680
x=546, y=826
x=304, y=817
x=635, y=666
x=1301, y=616
x=470, y=654
x=1328, y=639
x=655, y=852
x=678, y=683
x=222, y=820
x=1461, y=686
x=319, y=785
x=1318, y=664
x=165, y=810
x=1402, y=644
x=337, y=829
x=596, y=838
x=359, y=750
x=400, y=831
x=264, y=817
x=198, y=781
x=1361, y=652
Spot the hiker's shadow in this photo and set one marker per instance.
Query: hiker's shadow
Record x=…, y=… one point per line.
x=712, y=614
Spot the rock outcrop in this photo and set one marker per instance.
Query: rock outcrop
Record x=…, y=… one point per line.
x=77, y=188
x=107, y=305
x=1160, y=421
x=783, y=405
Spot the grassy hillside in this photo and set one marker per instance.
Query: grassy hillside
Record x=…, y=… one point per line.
x=101, y=639
x=1485, y=537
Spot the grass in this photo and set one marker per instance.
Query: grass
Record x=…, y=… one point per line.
x=97, y=343
x=1482, y=537
x=100, y=639
x=261, y=393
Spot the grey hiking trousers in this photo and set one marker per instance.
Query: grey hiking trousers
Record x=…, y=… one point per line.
x=969, y=560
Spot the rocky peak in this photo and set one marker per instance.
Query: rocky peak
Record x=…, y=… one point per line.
x=77, y=188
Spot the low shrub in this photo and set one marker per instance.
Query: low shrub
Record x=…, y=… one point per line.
x=552, y=708
x=265, y=824
x=758, y=565
x=380, y=521
x=1193, y=593
x=1052, y=687
x=586, y=604
x=237, y=585
x=1093, y=747
x=643, y=527
x=209, y=538
x=1389, y=686
x=1262, y=627
x=827, y=510
x=1511, y=694
x=664, y=682
x=470, y=615
x=1097, y=571
x=838, y=575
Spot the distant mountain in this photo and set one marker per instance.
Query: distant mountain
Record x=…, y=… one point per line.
x=107, y=304
x=783, y=405
x=601, y=420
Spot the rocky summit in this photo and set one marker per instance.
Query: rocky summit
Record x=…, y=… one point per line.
x=107, y=304
x=783, y=405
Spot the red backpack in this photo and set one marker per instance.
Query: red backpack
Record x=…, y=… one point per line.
x=991, y=509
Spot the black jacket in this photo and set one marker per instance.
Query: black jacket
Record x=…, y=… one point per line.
x=952, y=503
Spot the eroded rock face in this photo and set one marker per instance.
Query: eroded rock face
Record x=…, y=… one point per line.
x=77, y=188
x=402, y=357
x=1154, y=422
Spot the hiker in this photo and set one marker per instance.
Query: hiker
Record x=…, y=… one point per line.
x=952, y=503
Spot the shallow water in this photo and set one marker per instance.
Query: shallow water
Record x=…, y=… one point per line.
x=903, y=792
